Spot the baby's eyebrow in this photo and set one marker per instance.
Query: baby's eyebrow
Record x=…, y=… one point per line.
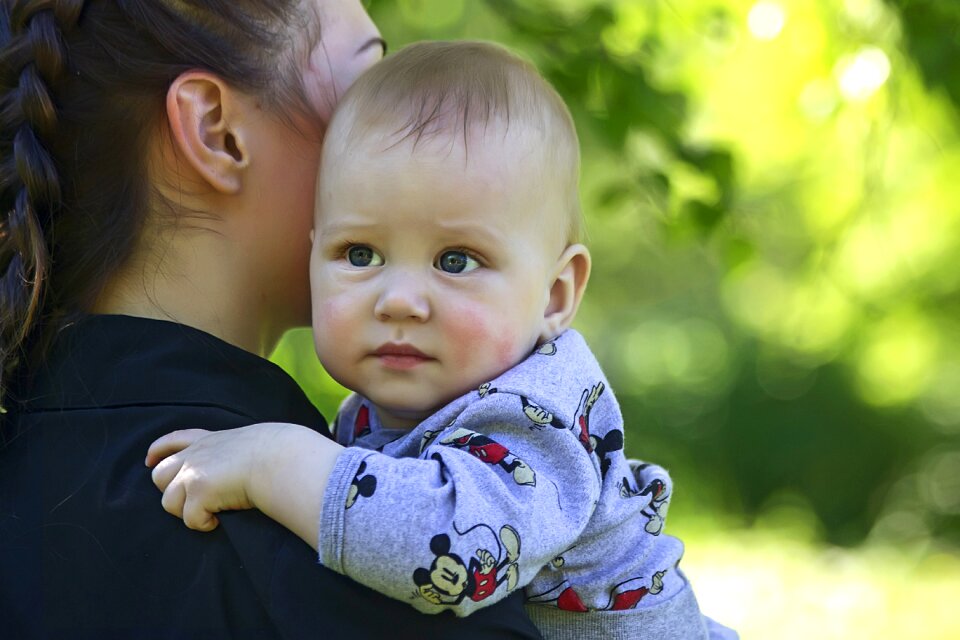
x=345, y=228
x=473, y=231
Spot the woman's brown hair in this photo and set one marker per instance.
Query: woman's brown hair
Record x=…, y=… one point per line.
x=82, y=89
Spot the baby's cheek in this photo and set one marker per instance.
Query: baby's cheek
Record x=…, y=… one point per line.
x=485, y=345
x=327, y=316
x=332, y=322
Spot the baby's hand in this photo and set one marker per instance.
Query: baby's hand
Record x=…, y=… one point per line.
x=202, y=473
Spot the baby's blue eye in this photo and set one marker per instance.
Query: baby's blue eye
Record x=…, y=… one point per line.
x=360, y=255
x=456, y=262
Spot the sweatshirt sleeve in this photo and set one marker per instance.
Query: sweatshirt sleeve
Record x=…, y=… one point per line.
x=492, y=498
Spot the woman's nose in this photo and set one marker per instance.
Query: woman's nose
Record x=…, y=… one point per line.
x=402, y=298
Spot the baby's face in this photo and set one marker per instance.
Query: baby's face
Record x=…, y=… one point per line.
x=430, y=271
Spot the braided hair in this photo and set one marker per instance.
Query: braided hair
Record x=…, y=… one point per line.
x=82, y=92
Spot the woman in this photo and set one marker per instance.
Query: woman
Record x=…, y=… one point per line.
x=158, y=166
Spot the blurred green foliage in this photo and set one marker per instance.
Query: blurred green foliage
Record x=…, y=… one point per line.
x=774, y=214
x=931, y=35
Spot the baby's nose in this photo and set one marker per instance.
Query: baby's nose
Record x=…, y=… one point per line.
x=403, y=299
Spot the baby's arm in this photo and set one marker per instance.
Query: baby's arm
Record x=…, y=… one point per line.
x=492, y=499
x=280, y=469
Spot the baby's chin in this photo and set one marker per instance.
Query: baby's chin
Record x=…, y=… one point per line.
x=409, y=413
x=393, y=417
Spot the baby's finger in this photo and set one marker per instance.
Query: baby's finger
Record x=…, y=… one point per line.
x=172, y=443
x=164, y=473
x=173, y=499
x=197, y=517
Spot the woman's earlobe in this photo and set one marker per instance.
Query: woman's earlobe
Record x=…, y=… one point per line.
x=198, y=109
x=566, y=292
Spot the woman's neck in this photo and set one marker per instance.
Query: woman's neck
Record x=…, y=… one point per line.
x=193, y=279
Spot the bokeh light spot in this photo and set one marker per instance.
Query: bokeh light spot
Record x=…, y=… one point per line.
x=691, y=354
x=897, y=360
x=766, y=20
x=861, y=75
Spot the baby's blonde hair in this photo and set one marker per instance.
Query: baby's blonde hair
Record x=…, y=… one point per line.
x=454, y=89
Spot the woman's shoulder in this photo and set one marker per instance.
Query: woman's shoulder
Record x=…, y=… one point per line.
x=109, y=555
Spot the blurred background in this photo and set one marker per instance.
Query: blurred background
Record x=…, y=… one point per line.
x=772, y=191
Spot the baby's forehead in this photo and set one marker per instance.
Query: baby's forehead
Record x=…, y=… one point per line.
x=519, y=159
x=505, y=159
x=443, y=133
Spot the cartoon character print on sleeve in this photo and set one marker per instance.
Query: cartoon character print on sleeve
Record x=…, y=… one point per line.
x=486, y=389
x=492, y=452
x=449, y=579
x=628, y=594
x=540, y=417
x=606, y=447
x=547, y=349
x=429, y=436
x=427, y=439
x=623, y=596
x=362, y=485
x=658, y=501
x=588, y=398
x=563, y=596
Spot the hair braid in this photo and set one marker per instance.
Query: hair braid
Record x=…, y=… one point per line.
x=32, y=62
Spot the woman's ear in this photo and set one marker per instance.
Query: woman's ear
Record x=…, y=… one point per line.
x=200, y=107
x=570, y=281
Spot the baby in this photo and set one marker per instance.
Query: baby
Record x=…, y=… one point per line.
x=484, y=447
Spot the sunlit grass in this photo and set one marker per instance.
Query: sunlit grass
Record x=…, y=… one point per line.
x=766, y=586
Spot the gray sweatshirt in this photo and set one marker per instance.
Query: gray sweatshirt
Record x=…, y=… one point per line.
x=522, y=483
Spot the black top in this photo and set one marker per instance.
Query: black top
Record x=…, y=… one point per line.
x=86, y=550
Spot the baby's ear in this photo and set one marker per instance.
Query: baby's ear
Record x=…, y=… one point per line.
x=571, y=274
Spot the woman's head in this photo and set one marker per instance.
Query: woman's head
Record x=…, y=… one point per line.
x=99, y=140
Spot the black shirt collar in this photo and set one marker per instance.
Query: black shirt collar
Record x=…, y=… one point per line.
x=104, y=361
